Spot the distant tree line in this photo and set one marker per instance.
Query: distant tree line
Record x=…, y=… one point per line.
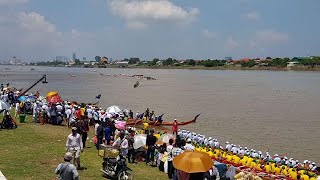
x=48, y=63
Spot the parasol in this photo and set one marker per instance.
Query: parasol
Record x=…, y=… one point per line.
x=54, y=99
x=121, y=125
x=3, y=105
x=22, y=98
x=139, y=141
x=193, y=162
x=52, y=93
x=164, y=138
x=113, y=109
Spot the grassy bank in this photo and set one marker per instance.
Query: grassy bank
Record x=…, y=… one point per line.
x=33, y=151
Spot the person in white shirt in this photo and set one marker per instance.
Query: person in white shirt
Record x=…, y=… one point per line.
x=16, y=111
x=170, y=158
x=122, y=143
x=189, y=146
x=35, y=110
x=74, y=143
x=68, y=115
x=89, y=112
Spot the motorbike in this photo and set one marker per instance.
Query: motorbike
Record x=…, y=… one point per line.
x=116, y=168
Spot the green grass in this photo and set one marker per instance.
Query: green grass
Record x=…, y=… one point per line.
x=32, y=151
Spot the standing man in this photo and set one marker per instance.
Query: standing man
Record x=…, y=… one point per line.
x=122, y=143
x=74, y=142
x=130, y=114
x=130, y=139
x=99, y=133
x=85, y=130
x=68, y=113
x=66, y=170
x=150, y=143
x=175, y=127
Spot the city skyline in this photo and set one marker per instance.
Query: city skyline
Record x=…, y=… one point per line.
x=147, y=29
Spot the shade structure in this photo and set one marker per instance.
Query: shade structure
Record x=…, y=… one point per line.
x=139, y=140
x=3, y=105
x=52, y=93
x=193, y=162
x=54, y=99
x=113, y=109
x=164, y=138
x=31, y=98
x=22, y=99
x=121, y=125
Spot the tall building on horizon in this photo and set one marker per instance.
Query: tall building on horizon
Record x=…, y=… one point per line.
x=74, y=56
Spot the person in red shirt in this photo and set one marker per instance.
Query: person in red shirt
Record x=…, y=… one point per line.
x=78, y=113
x=175, y=127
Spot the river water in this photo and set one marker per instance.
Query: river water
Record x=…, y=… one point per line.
x=269, y=111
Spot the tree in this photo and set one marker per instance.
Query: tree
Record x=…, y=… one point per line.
x=168, y=62
x=191, y=62
x=97, y=58
x=279, y=62
x=134, y=60
x=250, y=63
x=77, y=62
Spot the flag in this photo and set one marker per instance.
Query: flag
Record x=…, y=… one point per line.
x=98, y=97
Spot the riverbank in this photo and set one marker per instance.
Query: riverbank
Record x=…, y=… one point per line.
x=297, y=68
x=33, y=151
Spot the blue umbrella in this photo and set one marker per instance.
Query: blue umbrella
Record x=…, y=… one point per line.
x=22, y=98
x=31, y=98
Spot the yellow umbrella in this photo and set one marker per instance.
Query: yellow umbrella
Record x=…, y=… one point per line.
x=193, y=162
x=52, y=93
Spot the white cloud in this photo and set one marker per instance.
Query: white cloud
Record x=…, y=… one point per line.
x=75, y=33
x=231, y=43
x=209, y=34
x=136, y=25
x=37, y=29
x=28, y=34
x=254, y=16
x=271, y=37
x=10, y=2
x=140, y=13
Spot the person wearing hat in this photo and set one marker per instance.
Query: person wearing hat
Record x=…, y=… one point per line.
x=74, y=142
x=66, y=170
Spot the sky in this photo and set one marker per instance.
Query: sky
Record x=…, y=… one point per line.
x=36, y=30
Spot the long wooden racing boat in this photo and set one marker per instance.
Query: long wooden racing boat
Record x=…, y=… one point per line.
x=165, y=123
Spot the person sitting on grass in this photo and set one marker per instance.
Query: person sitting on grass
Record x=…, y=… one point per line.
x=66, y=170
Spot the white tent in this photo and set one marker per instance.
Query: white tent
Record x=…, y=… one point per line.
x=113, y=109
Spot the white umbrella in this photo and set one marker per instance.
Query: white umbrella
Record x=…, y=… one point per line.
x=166, y=137
x=139, y=141
x=3, y=105
x=113, y=109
